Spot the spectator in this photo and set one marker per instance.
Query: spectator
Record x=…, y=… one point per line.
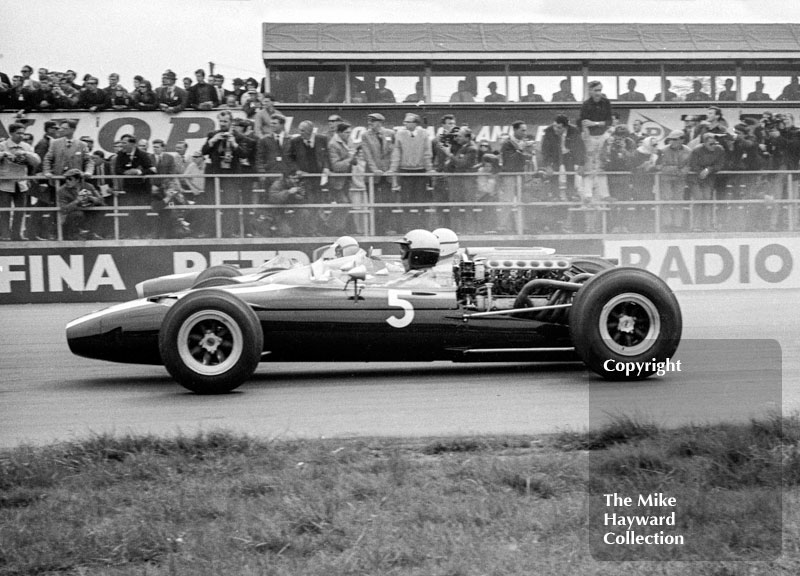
x=791, y=92
x=412, y=155
x=89, y=142
x=143, y=145
x=697, y=94
x=76, y=198
x=180, y=156
x=250, y=91
x=131, y=161
x=643, y=167
x=792, y=135
x=444, y=145
x=164, y=164
x=464, y=159
x=494, y=95
x=223, y=148
x=238, y=89
x=776, y=157
x=616, y=155
x=462, y=94
x=595, y=117
x=742, y=156
x=144, y=98
x=758, y=94
x=632, y=95
x=262, y=119
x=342, y=156
x=137, y=81
x=248, y=142
x=166, y=201
x=216, y=82
x=705, y=161
x=308, y=158
x=40, y=225
x=48, y=97
x=20, y=98
x=484, y=148
x=564, y=93
x=194, y=183
x=16, y=157
x=230, y=103
x=418, y=95
x=66, y=152
x=667, y=95
x=289, y=190
x=531, y=95
x=334, y=120
x=271, y=158
x=515, y=155
x=113, y=85
x=377, y=144
x=382, y=93
x=170, y=98
x=562, y=147
x=673, y=164
x=729, y=94
x=187, y=84
x=637, y=133
x=70, y=76
x=713, y=123
x=120, y=99
x=488, y=184
x=202, y=95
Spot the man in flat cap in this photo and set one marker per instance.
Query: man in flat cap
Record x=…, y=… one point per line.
x=377, y=144
x=171, y=99
x=413, y=156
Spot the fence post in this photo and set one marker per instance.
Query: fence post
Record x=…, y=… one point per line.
x=371, y=205
x=217, y=209
x=792, y=201
x=657, y=193
x=517, y=205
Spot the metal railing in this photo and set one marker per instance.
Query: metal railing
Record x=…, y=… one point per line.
x=532, y=204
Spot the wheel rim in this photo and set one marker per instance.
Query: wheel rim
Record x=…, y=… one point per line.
x=629, y=324
x=210, y=342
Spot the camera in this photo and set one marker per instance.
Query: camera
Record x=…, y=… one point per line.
x=448, y=138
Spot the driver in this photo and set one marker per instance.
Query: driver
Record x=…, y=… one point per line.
x=449, y=246
x=420, y=251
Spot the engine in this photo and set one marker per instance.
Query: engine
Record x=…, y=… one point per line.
x=492, y=278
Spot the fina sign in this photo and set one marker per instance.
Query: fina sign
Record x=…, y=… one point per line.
x=702, y=265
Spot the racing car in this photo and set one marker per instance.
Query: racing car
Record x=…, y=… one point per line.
x=501, y=304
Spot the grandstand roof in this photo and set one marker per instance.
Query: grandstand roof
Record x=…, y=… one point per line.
x=506, y=41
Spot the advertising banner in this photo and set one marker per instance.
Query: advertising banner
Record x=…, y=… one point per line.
x=703, y=264
x=38, y=273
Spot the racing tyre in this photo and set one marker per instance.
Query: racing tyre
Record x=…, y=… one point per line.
x=213, y=282
x=624, y=315
x=220, y=271
x=210, y=341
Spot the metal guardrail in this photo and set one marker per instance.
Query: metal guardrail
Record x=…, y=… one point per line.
x=528, y=207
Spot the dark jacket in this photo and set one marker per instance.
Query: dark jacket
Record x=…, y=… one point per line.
x=551, y=148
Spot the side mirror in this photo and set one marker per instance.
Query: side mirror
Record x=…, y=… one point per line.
x=355, y=274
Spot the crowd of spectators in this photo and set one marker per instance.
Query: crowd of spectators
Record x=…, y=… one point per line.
x=314, y=181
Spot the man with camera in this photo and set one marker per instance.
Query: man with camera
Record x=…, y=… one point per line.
x=16, y=158
x=75, y=198
x=444, y=146
x=223, y=148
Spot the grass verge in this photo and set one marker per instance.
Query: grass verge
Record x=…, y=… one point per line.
x=223, y=504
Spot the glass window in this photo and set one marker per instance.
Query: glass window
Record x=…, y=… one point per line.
x=300, y=84
x=387, y=83
x=465, y=83
x=698, y=81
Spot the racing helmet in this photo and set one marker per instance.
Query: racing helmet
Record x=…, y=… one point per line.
x=448, y=242
x=420, y=249
x=345, y=246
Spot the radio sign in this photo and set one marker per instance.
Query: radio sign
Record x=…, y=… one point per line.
x=701, y=265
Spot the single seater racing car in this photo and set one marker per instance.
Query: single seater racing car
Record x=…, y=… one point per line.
x=500, y=304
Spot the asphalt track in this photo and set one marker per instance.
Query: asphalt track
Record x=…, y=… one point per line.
x=736, y=345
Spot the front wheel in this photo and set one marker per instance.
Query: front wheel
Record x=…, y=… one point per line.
x=625, y=315
x=210, y=341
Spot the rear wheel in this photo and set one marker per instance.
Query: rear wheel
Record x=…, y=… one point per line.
x=219, y=271
x=625, y=315
x=210, y=341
